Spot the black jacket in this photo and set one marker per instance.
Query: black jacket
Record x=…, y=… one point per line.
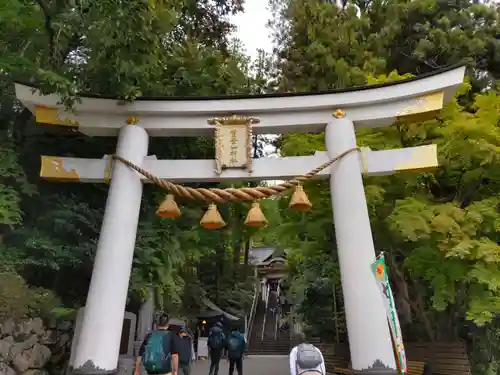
x=184, y=346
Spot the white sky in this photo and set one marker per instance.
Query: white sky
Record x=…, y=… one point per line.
x=251, y=24
x=253, y=33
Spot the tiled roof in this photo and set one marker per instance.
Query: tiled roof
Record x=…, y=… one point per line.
x=263, y=254
x=260, y=254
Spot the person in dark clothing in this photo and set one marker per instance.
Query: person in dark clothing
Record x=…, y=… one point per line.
x=168, y=363
x=216, y=344
x=235, y=351
x=185, y=352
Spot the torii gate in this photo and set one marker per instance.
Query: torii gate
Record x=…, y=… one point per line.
x=372, y=106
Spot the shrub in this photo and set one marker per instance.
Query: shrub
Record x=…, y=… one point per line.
x=42, y=303
x=19, y=301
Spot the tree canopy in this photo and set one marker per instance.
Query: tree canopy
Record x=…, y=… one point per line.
x=439, y=229
x=49, y=231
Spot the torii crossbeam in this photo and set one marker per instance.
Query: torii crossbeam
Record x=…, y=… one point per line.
x=372, y=106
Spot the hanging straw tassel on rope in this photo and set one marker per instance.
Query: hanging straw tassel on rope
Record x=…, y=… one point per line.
x=255, y=217
x=212, y=218
x=168, y=208
x=213, y=196
x=300, y=201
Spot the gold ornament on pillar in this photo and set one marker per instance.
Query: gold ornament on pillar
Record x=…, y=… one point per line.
x=339, y=113
x=300, y=201
x=255, y=217
x=132, y=120
x=168, y=209
x=212, y=218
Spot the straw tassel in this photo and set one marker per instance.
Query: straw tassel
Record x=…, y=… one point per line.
x=212, y=218
x=255, y=217
x=300, y=201
x=168, y=209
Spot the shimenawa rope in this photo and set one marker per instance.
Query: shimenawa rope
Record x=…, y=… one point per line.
x=229, y=194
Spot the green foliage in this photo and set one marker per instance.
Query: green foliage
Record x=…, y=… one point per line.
x=444, y=224
x=122, y=50
x=13, y=185
x=18, y=300
x=439, y=229
x=64, y=314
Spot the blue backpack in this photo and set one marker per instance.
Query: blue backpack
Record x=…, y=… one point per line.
x=235, y=347
x=155, y=359
x=216, y=340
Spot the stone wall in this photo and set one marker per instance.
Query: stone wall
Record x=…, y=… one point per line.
x=30, y=348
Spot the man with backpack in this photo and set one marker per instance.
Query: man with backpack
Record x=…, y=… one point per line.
x=159, y=351
x=216, y=344
x=235, y=351
x=185, y=352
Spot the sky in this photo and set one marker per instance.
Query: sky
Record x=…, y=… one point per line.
x=252, y=31
x=251, y=24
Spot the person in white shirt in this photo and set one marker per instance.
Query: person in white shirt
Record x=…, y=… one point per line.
x=306, y=359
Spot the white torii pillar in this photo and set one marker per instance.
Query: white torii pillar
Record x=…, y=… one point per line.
x=98, y=344
x=369, y=336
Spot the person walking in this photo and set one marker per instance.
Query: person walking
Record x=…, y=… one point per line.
x=306, y=359
x=235, y=351
x=159, y=351
x=185, y=352
x=216, y=343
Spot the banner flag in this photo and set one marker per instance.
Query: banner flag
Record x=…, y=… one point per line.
x=380, y=272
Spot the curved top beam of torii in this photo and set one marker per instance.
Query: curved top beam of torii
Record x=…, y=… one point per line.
x=367, y=106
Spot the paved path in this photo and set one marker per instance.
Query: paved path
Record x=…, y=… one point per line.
x=252, y=365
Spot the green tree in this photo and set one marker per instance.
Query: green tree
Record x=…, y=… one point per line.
x=49, y=231
x=439, y=229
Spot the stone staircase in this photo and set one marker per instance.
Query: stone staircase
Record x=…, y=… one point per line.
x=269, y=344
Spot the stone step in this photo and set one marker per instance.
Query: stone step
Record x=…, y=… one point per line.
x=270, y=342
x=284, y=351
x=269, y=347
x=285, y=348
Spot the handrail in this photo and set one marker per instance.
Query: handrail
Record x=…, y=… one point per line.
x=248, y=316
x=278, y=313
x=251, y=316
x=265, y=313
x=277, y=322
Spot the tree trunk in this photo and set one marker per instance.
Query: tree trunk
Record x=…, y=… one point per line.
x=247, y=251
x=401, y=294
x=219, y=271
x=237, y=244
x=419, y=308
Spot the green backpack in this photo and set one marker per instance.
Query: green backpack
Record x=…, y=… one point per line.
x=155, y=359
